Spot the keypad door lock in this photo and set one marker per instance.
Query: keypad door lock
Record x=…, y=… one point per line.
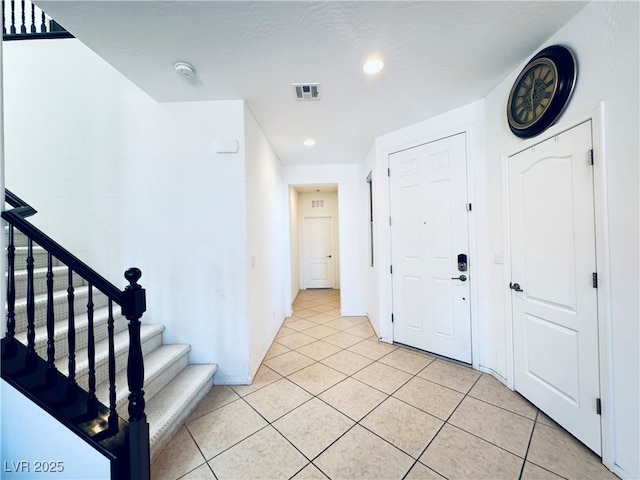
x=462, y=262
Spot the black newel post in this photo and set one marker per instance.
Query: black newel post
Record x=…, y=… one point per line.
x=133, y=306
x=10, y=346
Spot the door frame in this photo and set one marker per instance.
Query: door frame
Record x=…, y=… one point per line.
x=472, y=140
x=594, y=114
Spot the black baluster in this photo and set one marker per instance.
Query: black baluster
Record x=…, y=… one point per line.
x=92, y=401
x=43, y=24
x=23, y=26
x=51, y=349
x=12, y=28
x=33, y=19
x=31, y=358
x=133, y=306
x=71, y=338
x=10, y=346
x=113, y=414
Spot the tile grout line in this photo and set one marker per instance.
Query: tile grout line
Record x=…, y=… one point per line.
x=316, y=396
x=442, y=426
x=409, y=404
x=388, y=395
x=310, y=461
x=503, y=408
x=526, y=453
x=535, y=423
x=206, y=462
x=319, y=399
x=484, y=439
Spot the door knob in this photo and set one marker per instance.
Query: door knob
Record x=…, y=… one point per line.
x=515, y=286
x=462, y=278
x=328, y=256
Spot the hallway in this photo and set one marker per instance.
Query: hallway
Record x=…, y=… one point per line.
x=330, y=401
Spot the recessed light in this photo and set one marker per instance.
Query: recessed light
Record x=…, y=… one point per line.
x=373, y=66
x=309, y=142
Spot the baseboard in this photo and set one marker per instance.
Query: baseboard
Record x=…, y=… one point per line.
x=495, y=375
x=622, y=473
x=232, y=380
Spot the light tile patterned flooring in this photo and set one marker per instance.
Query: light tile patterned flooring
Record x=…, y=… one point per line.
x=330, y=401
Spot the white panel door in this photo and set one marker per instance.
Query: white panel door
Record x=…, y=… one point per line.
x=319, y=271
x=555, y=323
x=429, y=229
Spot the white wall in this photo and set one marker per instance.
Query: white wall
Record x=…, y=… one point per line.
x=604, y=37
x=30, y=436
x=123, y=181
x=267, y=242
x=188, y=232
x=352, y=225
x=294, y=248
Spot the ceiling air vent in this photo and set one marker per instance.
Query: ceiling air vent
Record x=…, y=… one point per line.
x=306, y=91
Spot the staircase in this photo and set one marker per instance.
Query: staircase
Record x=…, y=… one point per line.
x=172, y=386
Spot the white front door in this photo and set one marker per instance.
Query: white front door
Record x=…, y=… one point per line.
x=319, y=255
x=429, y=230
x=553, y=261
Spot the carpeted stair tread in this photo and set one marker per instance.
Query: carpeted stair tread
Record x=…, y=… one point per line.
x=60, y=281
x=160, y=367
x=61, y=329
x=39, y=258
x=170, y=407
x=60, y=300
x=19, y=238
x=150, y=338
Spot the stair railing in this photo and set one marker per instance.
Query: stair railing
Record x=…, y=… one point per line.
x=22, y=20
x=132, y=301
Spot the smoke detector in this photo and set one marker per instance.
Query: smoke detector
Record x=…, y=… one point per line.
x=306, y=91
x=184, y=69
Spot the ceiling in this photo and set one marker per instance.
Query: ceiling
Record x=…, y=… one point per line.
x=316, y=188
x=438, y=55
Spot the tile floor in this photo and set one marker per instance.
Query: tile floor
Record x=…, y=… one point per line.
x=330, y=401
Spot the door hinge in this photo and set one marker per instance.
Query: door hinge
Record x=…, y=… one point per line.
x=598, y=406
x=389, y=221
x=388, y=172
x=468, y=207
x=390, y=268
x=591, y=157
x=594, y=277
x=392, y=318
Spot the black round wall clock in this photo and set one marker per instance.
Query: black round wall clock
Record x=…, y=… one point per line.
x=541, y=91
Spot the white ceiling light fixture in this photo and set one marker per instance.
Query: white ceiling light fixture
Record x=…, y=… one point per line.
x=309, y=142
x=373, y=66
x=184, y=69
